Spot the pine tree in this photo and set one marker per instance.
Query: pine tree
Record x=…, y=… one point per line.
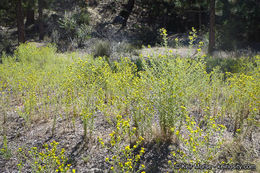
x=212, y=27
x=20, y=21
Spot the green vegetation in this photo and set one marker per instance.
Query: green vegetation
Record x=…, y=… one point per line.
x=170, y=97
x=125, y=158
x=233, y=65
x=102, y=48
x=74, y=27
x=147, y=85
x=69, y=23
x=48, y=159
x=5, y=151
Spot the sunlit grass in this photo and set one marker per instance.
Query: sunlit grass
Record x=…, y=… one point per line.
x=176, y=94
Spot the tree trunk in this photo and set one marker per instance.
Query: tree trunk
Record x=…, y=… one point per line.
x=127, y=10
x=212, y=27
x=29, y=16
x=20, y=22
x=200, y=18
x=40, y=19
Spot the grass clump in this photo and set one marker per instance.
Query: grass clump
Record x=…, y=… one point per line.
x=102, y=48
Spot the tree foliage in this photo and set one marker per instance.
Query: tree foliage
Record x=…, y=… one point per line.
x=237, y=21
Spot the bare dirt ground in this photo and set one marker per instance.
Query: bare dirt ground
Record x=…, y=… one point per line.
x=87, y=156
x=156, y=51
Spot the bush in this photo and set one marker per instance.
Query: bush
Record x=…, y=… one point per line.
x=124, y=49
x=233, y=65
x=102, y=48
x=225, y=64
x=31, y=53
x=82, y=17
x=75, y=27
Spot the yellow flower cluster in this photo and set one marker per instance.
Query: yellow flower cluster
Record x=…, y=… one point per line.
x=48, y=159
x=124, y=159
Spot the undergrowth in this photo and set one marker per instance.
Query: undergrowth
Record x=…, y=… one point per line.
x=178, y=96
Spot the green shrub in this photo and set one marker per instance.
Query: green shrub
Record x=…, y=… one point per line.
x=82, y=17
x=125, y=47
x=83, y=34
x=233, y=65
x=75, y=27
x=102, y=48
x=68, y=23
x=30, y=53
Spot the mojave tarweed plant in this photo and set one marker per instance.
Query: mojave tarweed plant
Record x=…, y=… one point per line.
x=125, y=158
x=163, y=33
x=49, y=159
x=192, y=36
x=175, y=94
x=196, y=144
x=33, y=74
